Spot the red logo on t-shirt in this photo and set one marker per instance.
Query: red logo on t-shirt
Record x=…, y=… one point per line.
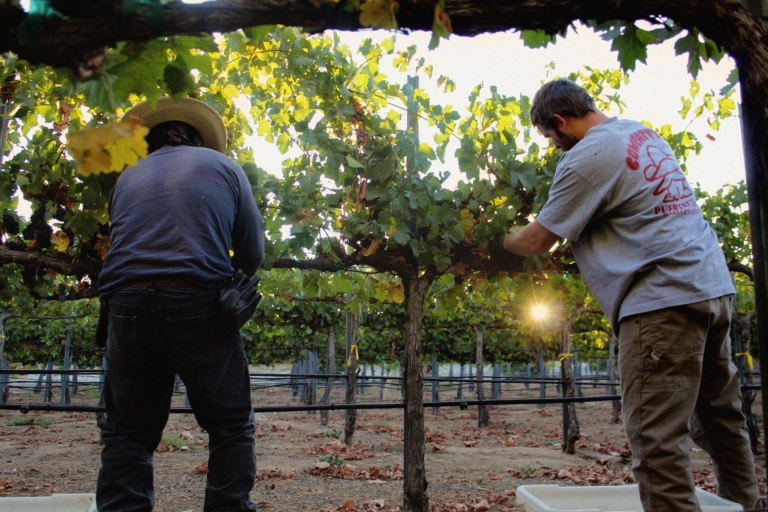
x=663, y=167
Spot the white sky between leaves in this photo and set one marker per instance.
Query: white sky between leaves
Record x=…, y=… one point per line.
x=653, y=94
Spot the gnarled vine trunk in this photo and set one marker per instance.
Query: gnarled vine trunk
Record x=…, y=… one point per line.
x=415, y=497
x=571, y=433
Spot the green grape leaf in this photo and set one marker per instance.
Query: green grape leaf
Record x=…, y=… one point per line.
x=697, y=50
x=441, y=26
x=732, y=81
x=631, y=46
x=178, y=80
x=536, y=38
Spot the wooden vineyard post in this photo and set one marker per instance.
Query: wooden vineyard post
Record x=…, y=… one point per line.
x=483, y=416
x=330, y=369
x=65, y=399
x=353, y=333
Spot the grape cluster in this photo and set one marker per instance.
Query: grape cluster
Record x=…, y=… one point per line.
x=66, y=292
x=10, y=224
x=38, y=229
x=94, y=278
x=30, y=274
x=16, y=245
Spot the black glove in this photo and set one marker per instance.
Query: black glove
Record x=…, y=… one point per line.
x=510, y=261
x=496, y=247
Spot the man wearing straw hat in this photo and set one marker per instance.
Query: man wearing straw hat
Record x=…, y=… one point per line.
x=174, y=217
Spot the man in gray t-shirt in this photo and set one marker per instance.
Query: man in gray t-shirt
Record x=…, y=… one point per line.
x=656, y=269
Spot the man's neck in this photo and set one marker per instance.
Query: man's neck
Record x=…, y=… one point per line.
x=580, y=126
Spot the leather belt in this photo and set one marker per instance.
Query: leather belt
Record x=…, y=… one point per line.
x=161, y=283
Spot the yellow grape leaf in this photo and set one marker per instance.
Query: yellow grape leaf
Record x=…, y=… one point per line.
x=371, y=249
x=102, y=246
x=379, y=14
x=61, y=240
x=467, y=223
x=392, y=291
x=477, y=281
x=108, y=148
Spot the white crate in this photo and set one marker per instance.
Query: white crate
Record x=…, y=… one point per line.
x=605, y=498
x=53, y=503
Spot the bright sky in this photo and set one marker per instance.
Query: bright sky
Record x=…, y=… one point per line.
x=654, y=93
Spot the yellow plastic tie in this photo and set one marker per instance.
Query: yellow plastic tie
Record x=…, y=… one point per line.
x=352, y=350
x=750, y=362
x=565, y=356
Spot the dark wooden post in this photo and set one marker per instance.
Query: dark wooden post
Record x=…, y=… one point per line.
x=483, y=415
x=754, y=119
x=330, y=369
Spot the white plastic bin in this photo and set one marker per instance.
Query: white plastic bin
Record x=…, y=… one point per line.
x=603, y=498
x=53, y=503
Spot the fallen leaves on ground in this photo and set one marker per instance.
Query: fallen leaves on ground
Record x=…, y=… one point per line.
x=624, y=451
x=475, y=504
x=349, y=505
x=357, y=451
x=705, y=479
x=272, y=474
x=349, y=472
x=593, y=475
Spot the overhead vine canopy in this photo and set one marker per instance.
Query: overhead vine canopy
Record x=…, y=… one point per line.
x=69, y=34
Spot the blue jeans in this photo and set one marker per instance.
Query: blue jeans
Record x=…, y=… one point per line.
x=154, y=335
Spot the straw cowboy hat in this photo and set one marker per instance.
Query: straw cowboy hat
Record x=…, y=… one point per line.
x=201, y=116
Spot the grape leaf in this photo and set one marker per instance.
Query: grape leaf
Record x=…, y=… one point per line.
x=441, y=26
x=536, y=38
x=631, y=46
x=696, y=50
x=61, y=240
x=138, y=75
x=379, y=14
x=108, y=148
x=733, y=80
x=178, y=79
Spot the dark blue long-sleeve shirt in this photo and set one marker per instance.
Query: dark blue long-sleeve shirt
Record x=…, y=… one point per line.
x=173, y=216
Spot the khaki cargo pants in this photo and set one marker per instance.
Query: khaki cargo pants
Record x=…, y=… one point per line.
x=675, y=362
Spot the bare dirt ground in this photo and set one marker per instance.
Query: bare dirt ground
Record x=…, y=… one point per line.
x=304, y=466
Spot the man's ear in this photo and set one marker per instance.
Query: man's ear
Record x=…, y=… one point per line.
x=560, y=120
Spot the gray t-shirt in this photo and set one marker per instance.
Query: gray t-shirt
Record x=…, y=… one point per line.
x=638, y=236
x=173, y=215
